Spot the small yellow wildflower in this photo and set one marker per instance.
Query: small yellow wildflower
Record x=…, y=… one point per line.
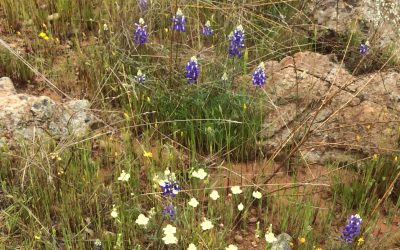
x=395, y=158
x=148, y=99
x=126, y=115
x=375, y=157
x=166, y=30
x=318, y=248
x=302, y=240
x=244, y=106
x=360, y=241
x=37, y=237
x=46, y=38
x=147, y=154
x=18, y=33
x=42, y=35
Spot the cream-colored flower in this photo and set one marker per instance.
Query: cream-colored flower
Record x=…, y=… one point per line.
x=240, y=207
x=170, y=239
x=214, y=195
x=236, y=190
x=206, y=225
x=257, y=195
x=269, y=236
x=142, y=220
x=231, y=247
x=200, y=174
x=169, y=229
x=124, y=176
x=114, y=212
x=192, y=247
x=193, y=202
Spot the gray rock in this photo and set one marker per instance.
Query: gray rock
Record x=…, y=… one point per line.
x=282, y=243
x=24, y=116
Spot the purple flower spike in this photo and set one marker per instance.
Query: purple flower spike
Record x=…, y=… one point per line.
x=236, y=39
x=259, y=76
x=352, y=228
x=140, y=36
x=192, y=70
x=207, y=30
x=179, y=21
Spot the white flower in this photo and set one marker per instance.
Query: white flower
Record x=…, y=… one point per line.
x=141, y=21
x=170, y=239
x=105, y=27
x=231, y=247
x=257, y=195
x=142, y=220
x=124, y=176
x=236, y=190
x=214, y=195
x=269, y=236
x=192, y=247
x=201, y=174
x=206, y=225
x=240, y=207
x=152, y=212
x=114, y=212
x=169, y=229
x=179, y=12
x=224, y=77
x=193, y=202
x=167, y=172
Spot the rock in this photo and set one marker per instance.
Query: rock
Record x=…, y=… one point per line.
x=282, y=243
x=347, y=116
x=24, y=116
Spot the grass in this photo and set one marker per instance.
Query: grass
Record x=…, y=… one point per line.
x=61, y=194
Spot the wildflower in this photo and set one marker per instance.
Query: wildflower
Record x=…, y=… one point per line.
x=259, y=76
x=147, y=154
x=302, y=240
x=18, y=33
x=236, y=190
x=207, y=30
x=140, y=77
x=258, y=231
x=114, y=212
x=97, y=244
x=200, y=174
x=360, y=241
x=124, y=176
x=257, y=195
x=169, y=229
x=192, y=247
x=179, y=21
x=318, y=248
x=224, y=77
x=105, y=27
x=193, y=202
x=231, y=247
x=352, y=228
x=169, y=188
x=37, y=237
x=142, y=4
x=206, y=225
x=142, y=220
x=140, y=35
x=236, y=39
x=363, y=49
x=169, y=211
x=152, y=212
x=170, y=239
x=192, y=70
x=43, y=36
x=214, y=195
x=240, y=207
x=269, y=236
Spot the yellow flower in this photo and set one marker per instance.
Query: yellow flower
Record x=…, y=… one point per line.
x=318, y=248
x=37, y=237
x=360, y=241
x=147, y=154
x=126, y=115
x=302, y=240
x=42, y=35
x=166, y=30
x=148, y=99
x=18, y=33
x=375, y=157
x=244, y=106
x=46, y=38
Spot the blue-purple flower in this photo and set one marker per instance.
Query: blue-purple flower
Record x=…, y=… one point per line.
x=207, y=30
x=259, y=76
x=169, y=188
x=352, y=228
x=179, y=21
x=192, y=70
x=236, y=39
x=169, y=211
x=143, y=4
x=140, y=35
x=363, y=49
x=140, y=77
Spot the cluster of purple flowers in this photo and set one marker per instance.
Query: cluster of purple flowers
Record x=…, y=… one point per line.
x=192, y=70
x=140, y=77
x=236, y=39
x=140, y=35
x=352, y=228
x=259, y=76
x=363, y=49
x=207, y=30
x=170, y=188
x=179, y=21
x=169, y=211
